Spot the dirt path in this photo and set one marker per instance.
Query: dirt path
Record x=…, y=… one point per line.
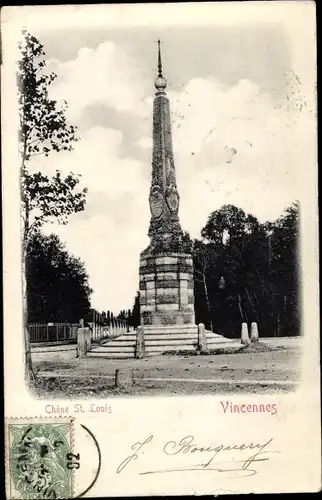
x=271, y=371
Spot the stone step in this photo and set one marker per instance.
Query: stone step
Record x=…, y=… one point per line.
x=123, y=338
x=170, y=329
x=120, y=343
x=113, y=349
x=111, y=355
x=179, y=336
x=172, y=335
x=169, y=347
x=170, y=342
x=127, y=347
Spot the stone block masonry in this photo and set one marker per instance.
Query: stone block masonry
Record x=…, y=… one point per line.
x=166, y=296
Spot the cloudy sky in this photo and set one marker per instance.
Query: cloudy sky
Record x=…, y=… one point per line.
x=237, y=104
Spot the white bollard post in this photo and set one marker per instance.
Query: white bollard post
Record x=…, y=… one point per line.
x=202, y=339
x=254, y=332
x=244, y=334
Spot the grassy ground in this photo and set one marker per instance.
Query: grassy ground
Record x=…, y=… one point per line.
x=61, y=374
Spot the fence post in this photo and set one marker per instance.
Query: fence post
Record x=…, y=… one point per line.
x=202, y=339
x=81, y=344
x=254, y=332
x=83, y=340
x=244, y=334
x=140, y=343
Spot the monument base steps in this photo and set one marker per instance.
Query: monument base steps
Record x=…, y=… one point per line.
x=112, y=355
x=158, y=340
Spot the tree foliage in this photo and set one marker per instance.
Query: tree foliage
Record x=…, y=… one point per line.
x=43, y=129
x=43, y=125
x=258, y=263
x=57, y=283
x=135, y=315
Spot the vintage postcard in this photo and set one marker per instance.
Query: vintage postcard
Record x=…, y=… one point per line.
x=160, y=224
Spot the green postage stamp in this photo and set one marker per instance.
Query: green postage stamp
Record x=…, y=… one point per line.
x=39, y=458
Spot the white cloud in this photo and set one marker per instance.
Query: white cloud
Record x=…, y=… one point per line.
x=231, y=145
x=106, y=75
x=145, y=143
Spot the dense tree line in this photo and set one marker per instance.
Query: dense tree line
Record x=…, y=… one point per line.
x=108, y=318
x=57, y=282
x=248, y=271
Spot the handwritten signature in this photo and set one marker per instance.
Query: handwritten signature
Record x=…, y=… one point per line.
x=187, y=445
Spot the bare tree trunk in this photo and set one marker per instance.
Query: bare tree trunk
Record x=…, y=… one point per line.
x=240, y=307
x=278, y=324
x=29, y=372
x=252, y=304
x=207, y=300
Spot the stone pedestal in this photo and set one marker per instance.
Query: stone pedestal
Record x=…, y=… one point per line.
x=83, y=341
x=244, y=334
x=124, y=378
x=254, y=332
x=166, y=289
x=202, y=338
x=140, y=344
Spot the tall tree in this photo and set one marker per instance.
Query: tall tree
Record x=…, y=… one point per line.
x=259, y=265
x=229, y=224
x=135, y=316
x=284, y=257
x=43, y=129
x=57, y=282
x=239, y=240
x=205, y=259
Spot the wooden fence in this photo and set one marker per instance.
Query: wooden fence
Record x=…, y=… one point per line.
x=52, y=332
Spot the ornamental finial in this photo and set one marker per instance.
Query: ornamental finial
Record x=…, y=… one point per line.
x=159, y=60
x=160, y=83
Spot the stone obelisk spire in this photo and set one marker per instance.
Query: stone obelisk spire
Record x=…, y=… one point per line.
x=166, y=268
x=164, y=197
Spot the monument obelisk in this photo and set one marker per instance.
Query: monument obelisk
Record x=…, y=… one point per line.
x=166, y=268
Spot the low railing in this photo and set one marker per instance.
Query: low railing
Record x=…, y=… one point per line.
x=115, y=328
x=52, y=332
x=60, y=332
